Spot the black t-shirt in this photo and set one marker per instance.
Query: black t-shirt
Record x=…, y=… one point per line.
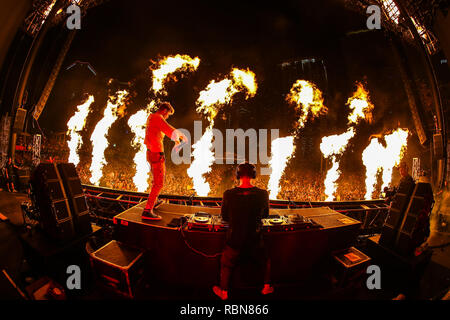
x=243, y=209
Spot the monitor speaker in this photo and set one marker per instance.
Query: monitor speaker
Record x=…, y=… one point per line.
x=415, y=225
x=48, y=194
x=76, y=198
x=396, y=214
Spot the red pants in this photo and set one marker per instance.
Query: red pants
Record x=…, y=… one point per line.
x=157, y=163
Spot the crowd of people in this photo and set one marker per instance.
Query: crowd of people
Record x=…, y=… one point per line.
x=295, y=186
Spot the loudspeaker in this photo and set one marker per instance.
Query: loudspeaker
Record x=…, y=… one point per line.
x=49, y=197
x=120, y=267
x=19, y=120
x=415, y=225
x=76, y=198
x=438, y=146
x=396, y=213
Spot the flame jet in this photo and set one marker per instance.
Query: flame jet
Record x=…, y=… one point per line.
x=209, y=102
x=169, y=65
x=334, y=146
x=331, y=147
x=98, y=137
x=281, y=152
x=377, y=157
x=308, y=101
x=74, y=126
x=137, y=122
x=360, y=105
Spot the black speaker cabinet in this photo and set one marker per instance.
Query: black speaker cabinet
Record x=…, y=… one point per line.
x=396, y=213
x=76, y=198
x=50, y=199
x=118, y=266
x=415, y=225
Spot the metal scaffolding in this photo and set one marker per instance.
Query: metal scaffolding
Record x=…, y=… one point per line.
x=41, y=10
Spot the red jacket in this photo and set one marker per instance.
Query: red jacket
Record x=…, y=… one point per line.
x=157, y=128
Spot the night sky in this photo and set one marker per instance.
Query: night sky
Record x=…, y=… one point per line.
x=119, y=38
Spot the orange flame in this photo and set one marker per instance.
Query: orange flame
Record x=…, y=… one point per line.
x=334, y=146
x=75, y=124
x=98, y=137
x=377, y=158
x=166, y=67
x=169, y=65
x=360, y=105
x=308, y=100
x=209, y=102
x=281, y=151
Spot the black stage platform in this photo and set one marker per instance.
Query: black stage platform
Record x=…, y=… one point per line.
x=182, y=256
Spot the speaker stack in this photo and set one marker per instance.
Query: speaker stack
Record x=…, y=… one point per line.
x=75, y=195
x=58, y=196
x=395, y=214
x=407, y=225
x=415, y=226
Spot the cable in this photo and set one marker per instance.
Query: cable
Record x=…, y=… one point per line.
x=195, y=250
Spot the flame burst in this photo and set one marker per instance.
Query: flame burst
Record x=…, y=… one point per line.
x=203, y=160
x=217, y=94
x=210, y=101
x=74, y=126
x=281, y=151
x=360, y=105
x=377, y=157
x=308, y=100
x=98, y=137
x=169, y=65
x=332, y=147
x=138, y=121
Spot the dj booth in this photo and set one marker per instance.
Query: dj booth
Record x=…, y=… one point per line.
x=184, y=247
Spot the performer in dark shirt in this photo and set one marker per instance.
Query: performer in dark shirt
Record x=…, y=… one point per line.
x=243, y=207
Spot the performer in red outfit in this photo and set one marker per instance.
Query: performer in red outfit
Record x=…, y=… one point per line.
x=157, y=128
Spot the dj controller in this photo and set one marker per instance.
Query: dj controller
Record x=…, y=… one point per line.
x=273, y=223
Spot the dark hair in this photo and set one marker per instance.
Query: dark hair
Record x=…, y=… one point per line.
x=246, y=170
x=166, y=106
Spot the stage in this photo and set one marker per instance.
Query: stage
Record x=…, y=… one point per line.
x=179, y=255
